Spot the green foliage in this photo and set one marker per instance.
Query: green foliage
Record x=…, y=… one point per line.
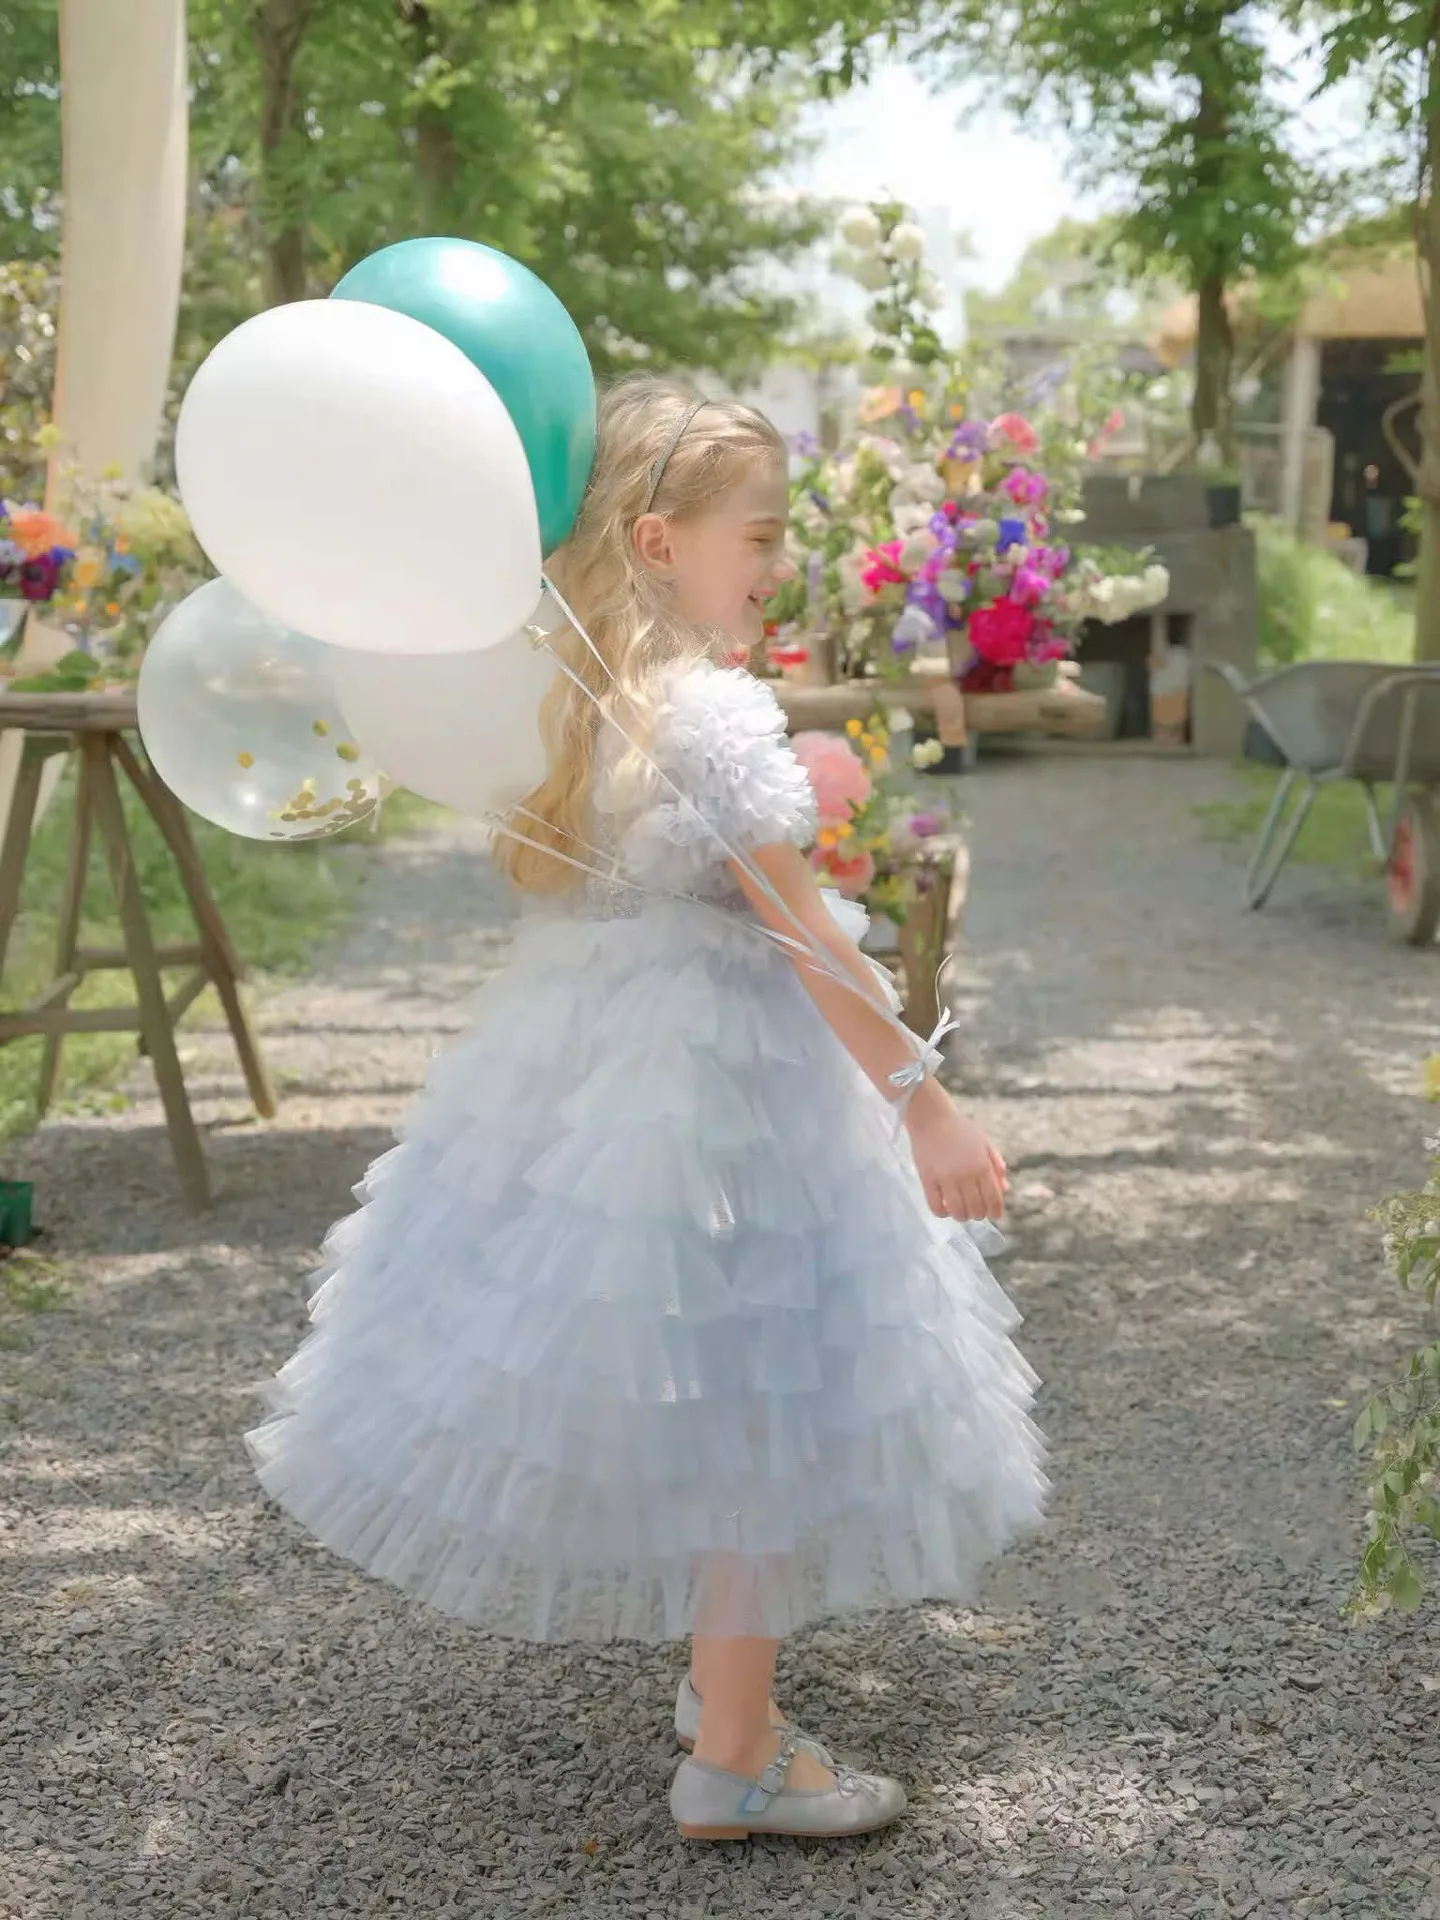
x=1336, y=833
x=1174, y=101
x=622, y=152
x=1313, y=607
x=29, y=298
x=278, y=902
x=1400, y=1426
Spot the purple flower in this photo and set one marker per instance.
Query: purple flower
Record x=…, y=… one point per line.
x=40, y=577
x=804, y=446
x=815, y=575
x=1012, y=534
x=970, y=440
x=820, y=500
x=925, y=826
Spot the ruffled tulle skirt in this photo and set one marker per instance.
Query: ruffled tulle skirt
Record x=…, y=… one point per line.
x=645, y=1327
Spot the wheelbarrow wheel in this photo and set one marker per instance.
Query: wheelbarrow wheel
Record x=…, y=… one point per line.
x=1414, y=873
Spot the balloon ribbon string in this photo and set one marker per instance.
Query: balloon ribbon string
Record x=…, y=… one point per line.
x=823, y=961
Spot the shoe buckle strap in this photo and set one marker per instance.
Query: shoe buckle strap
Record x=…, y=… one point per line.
x=761, y=1792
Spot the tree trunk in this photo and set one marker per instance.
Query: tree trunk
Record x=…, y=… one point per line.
x=1214, y=342
x=435, y=153
x=1214, y=363
x=1427, y=485
x=280, y=28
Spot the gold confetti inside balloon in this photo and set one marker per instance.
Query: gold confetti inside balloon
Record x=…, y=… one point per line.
x=240, y=719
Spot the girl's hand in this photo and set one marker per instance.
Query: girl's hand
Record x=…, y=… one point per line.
x=963, y=1176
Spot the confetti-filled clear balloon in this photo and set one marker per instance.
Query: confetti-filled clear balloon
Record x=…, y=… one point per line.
x=240, y=719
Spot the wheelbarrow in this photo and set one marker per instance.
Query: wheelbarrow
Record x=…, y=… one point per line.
x=1333, y=720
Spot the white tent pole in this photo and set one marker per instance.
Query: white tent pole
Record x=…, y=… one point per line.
x=124, y=130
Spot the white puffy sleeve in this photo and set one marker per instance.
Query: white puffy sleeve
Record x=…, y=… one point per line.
x=719, y=734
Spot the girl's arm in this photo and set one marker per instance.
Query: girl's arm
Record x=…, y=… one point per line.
x=963, y=1175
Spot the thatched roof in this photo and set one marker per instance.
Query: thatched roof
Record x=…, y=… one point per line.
x=1370, y=297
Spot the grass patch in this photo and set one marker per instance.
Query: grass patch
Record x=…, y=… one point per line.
x=1312, y=607
x=279, y=903
x=28, y=1285
x=1335, y=835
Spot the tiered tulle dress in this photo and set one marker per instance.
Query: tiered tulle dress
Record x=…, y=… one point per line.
x=645, y=1325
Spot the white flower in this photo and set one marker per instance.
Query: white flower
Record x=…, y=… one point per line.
x=889, y=452
x=813, y=520
x=907, y=242
x=909, y=516
x=916, y=551
x=852, y=587
x=870, y=272
x=1157, y=583
x=919, y=482
x=861, y=229
x=953, y=585
x=901, y=720
x=1069, y=516
x=929, y=295
x=926, y=753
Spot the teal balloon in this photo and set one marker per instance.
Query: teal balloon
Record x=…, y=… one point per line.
x=520, y=337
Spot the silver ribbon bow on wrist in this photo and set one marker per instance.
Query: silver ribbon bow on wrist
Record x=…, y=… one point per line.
x=930, y=1060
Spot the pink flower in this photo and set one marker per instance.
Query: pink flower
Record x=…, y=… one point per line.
x=882, y=567
x=925, y=826
x=851, y=872
x=1000, y=633
x=1029, y=587
x=1026, y=489
x=837, y=773
x=1014, y=430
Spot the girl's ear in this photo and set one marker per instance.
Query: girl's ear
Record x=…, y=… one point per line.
x=654, y=544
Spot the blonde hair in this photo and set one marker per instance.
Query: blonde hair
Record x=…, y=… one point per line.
x=620, y=603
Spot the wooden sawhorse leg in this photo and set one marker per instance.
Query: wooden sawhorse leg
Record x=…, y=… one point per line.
x=219, y=957
x=155, y=1023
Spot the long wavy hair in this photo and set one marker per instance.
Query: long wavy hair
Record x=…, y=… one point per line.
x=623, y=606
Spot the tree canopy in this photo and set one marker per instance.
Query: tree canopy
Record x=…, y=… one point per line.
x=1173, y=106
x=623, y=151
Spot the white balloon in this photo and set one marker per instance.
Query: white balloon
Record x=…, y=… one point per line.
x=460, y=728
x=360, y=480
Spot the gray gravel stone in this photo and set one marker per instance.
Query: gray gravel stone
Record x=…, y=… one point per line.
x=1152, y=1710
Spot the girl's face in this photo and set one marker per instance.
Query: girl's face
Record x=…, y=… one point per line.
x=726, y=562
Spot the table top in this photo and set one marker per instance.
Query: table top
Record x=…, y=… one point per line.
x=112, y=711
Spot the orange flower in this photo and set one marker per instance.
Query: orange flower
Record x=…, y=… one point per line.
x=34, y=531
x=879, y=404
x=112, y=607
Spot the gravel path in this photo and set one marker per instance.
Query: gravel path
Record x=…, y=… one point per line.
x=1156, y=1710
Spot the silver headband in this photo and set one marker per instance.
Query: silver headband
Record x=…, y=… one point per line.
x=657, y=472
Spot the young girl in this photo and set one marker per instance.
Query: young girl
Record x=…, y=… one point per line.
x=664, y=1319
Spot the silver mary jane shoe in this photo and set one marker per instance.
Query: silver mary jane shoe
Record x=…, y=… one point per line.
x=687, y=1725
x=709, y=1804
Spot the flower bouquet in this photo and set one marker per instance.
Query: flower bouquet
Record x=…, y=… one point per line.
x=944, y=528
x=877, y=844
x=104, y=569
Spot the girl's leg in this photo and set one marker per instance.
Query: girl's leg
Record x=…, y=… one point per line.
x=733, y=1678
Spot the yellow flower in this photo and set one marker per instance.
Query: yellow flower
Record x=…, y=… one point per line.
x=87, y=571
x=827, y=839
x=114, y=471
x=854, y=728
x=845, y=832
x=867, y=741
x=917, y=399
x=879, y=758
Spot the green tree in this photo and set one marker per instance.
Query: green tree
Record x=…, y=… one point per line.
x=621, y=150
x=1174, y=101
x=1393, y=47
